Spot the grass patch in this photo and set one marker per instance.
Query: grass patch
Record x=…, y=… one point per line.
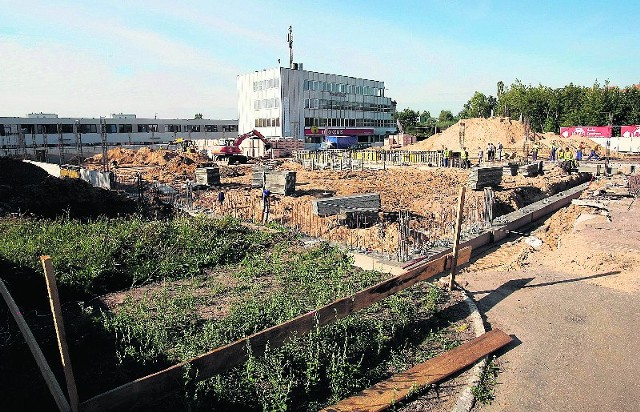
x=208, y=283
x=107, y=255
x=306, y=373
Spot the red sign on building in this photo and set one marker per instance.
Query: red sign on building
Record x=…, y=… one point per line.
x=630, y=131
x=337, y=132
x=586, y=131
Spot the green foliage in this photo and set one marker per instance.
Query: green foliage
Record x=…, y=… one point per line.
x=279, y=284
x=547, y=109
x=408, y=119
x=111, y=254
x=484, y=391
x=478, y=106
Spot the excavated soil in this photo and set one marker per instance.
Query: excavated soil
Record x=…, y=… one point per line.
x=27, y=189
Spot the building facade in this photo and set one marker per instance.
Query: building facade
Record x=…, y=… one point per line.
x=292, y=102
x=42, y=131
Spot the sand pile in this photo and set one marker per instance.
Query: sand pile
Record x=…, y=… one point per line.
x=149, y=157
x=477, y=132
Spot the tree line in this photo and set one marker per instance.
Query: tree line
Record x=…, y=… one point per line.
x=545, y=109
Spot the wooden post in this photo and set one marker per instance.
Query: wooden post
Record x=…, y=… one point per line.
x=58, y=323
x=45, y=370
x=456, y=238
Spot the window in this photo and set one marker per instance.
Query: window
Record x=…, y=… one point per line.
x=125, y=128
x=28, y=128
x=111, y=128
x=230, y=128
x=143, y=128
x=88, y=128
x=211, y=128
x=195, y=128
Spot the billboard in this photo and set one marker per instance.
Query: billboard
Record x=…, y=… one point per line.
x=586, y=131
x=630, y=131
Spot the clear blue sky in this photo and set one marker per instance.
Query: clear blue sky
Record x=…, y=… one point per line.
x=175, y=59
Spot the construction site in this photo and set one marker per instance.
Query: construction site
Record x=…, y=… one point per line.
x=413, y=277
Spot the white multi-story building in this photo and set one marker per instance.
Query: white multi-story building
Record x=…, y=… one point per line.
x=292, y=102
x=42, y=131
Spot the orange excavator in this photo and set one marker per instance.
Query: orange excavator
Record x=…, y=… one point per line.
x=229, y=149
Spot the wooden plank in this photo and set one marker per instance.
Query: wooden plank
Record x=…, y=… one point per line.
x=45, y=370
x=385, y=394
x=58, y=323
x=218, y=360
x=456, y=238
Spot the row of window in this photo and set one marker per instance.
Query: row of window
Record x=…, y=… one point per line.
x=275, y=122
x=265, y=84
x=341, y=122
x=116, y=128
x=342, y=105
x=321, y=86
x=266, y=104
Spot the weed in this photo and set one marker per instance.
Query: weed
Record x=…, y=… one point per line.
x=484, y=391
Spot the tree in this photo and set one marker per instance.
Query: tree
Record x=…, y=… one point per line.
x=408, y=119
x=446, y=116
x=198, y=116
x=478, y=106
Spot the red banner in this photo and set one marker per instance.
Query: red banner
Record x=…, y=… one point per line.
x=332, y=131
x=586, y=131
x=630, y=131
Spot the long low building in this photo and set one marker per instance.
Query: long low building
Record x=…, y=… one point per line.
x=41, y=131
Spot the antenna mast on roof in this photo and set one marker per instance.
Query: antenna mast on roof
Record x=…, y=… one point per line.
x=290, y=41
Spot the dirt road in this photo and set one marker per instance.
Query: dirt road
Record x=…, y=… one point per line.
x=574, y=305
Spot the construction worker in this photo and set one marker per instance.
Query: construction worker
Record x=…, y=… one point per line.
x=579, y=152
x=552, y=156
x=500, y=151
x=568, y=155
x=560, y=155
x=534, y=151
x=445, y=157
x=593, y=155
x=480, y=156
x=265, y=205
x=568, y=163
x=464, y=158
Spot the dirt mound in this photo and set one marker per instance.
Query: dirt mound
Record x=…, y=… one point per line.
x=477, y=132
x=17, y=173
x=25, y=188
x=149, y=157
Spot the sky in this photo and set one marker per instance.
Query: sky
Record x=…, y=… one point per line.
x=174, y=59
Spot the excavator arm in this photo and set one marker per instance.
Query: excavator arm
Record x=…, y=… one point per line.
x=254, y=134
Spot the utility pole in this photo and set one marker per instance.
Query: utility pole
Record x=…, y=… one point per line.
x=103, y=135
x=45, y=143
x=60, y=145
x=290, y=41
x=606, y=165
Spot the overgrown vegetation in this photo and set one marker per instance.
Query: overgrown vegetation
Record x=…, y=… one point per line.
x=206, y=283
x=484, y=391
x=319, y=368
